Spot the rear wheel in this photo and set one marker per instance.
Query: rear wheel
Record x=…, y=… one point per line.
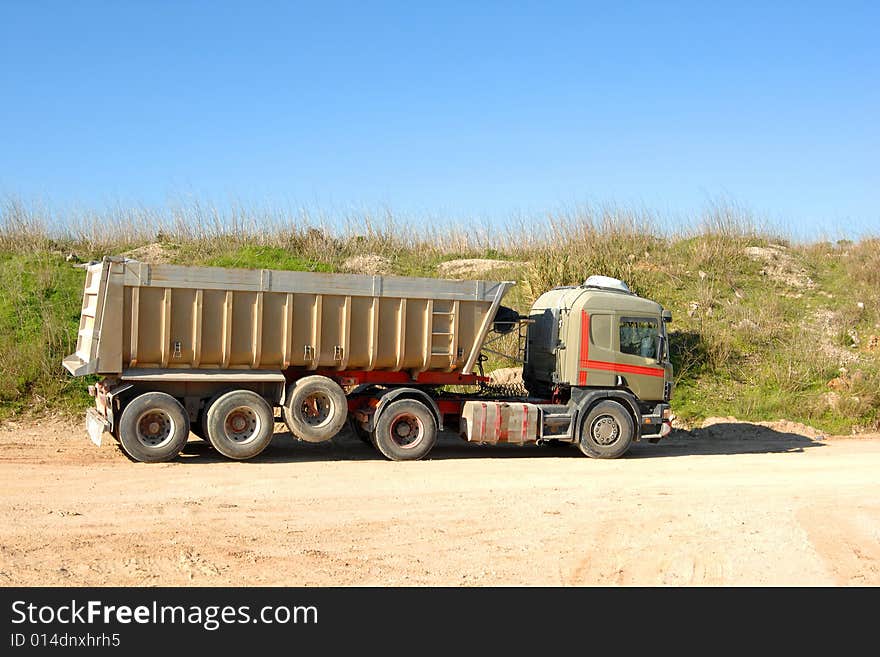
x=405, y=431
x=153, y=428
x=358, y=430
x=315, y=409
x=196, y=429
x=240, y=424
x=203, y=416
x=607, y=431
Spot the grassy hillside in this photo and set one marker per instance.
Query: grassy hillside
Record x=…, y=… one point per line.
x=764, y=328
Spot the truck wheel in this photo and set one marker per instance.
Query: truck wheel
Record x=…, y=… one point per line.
x=195, y=428
x=607, y=431
x=153, y=428
x=240, y=424
x=405, y=431
x=203, y=416
x=358, y=430
x=315, y=409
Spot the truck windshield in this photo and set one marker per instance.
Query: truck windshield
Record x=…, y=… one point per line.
x=638, y=336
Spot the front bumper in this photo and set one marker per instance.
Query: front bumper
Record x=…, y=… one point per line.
x=658, y=423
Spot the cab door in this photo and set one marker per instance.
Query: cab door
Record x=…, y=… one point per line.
x=636, y=341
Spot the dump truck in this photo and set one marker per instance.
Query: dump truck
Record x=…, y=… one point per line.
x=222, y=353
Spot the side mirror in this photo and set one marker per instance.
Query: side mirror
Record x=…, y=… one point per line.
x=667, y=316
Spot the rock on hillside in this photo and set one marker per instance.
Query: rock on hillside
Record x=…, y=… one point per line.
x=154, y=254
x=370, y=264
x=730, y=427
x=473, y=267
x=506, y=376
x=780, y=266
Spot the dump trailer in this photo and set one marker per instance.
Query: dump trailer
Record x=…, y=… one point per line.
x=217, y=351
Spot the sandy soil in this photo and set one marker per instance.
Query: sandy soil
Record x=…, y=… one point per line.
x=719, y=506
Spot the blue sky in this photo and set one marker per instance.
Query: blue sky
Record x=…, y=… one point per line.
x=457, y=110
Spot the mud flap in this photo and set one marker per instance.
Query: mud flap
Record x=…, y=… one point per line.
x=96, y=425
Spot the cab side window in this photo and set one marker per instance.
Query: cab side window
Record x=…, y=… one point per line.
x=638, y=336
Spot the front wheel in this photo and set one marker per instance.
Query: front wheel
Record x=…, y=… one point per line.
x=153, y=428
x=405, y=431
x=607, y=432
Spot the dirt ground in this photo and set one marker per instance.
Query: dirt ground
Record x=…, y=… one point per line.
x=730, y=504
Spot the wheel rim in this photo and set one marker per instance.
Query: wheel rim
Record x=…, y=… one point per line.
x=242, y=424
x=406, y=431
x=154, y=428
x=605, y=430
x=317, y=409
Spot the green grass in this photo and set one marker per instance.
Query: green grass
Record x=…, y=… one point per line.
x=744, y=344
x=40, y=297
x=266, y=257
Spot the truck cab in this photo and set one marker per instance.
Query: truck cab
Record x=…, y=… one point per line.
x=599, y=340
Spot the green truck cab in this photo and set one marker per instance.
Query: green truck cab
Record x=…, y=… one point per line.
x=599, y=342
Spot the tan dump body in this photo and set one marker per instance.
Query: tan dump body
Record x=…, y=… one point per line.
x=141, y=316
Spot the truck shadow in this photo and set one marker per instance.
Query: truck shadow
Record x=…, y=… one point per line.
x=726, y=438
x=284, y=448
x=718, y=439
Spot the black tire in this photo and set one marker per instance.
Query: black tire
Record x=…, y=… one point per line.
x=315, y=409
x=405, y=431
x=358, y=430
x=240, y=424
x=195, y=428
x=203, y=416
x=153, y=428
x=607, y=432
